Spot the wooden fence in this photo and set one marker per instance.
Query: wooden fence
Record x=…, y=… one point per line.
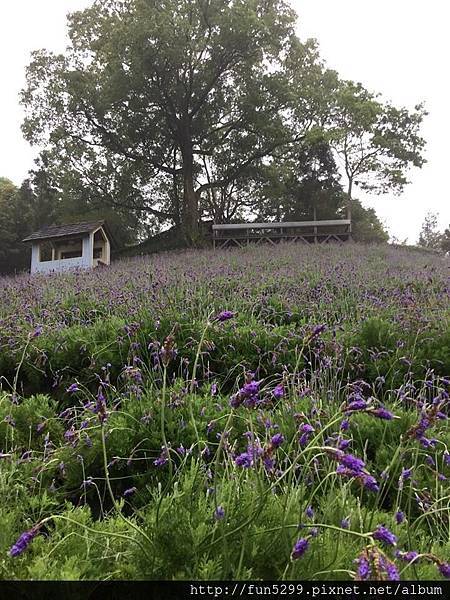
x=308, y=232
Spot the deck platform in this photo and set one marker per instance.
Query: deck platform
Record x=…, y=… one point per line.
x=307, y=232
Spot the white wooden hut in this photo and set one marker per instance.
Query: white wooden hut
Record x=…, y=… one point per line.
x=63, y=247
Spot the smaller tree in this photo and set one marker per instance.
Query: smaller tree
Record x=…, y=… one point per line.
x=302, y=185
x=375, y=142
x=41, y=194
x=15, y=223
x=430, y=236
x=366, y=226
x=445, y=241
x=7, y=193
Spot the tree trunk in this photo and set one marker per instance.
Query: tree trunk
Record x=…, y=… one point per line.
x=176, y=195
x=190, y=198
x=349, y=201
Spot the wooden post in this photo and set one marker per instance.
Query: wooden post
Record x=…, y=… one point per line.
x=315, y=221
x=35, y=257
x=107, y=247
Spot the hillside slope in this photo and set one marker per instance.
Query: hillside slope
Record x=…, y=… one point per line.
x=288, y=402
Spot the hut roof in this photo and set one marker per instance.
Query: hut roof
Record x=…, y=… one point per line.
x=68, y=230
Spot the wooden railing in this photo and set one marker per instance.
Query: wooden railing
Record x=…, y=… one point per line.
x=309, y=232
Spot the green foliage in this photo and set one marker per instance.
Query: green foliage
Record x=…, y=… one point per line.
x=377, y=142
x=445, y=241
x=430, y=237
x=302, y=186
x=32, y=421
x=239, y=119
x=76, y=552
x=366, y=227
x=213, y=57
x=15, y=223
x=433, y=350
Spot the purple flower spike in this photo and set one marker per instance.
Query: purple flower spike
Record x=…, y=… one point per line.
x=300, y=547
x=225, y=315
x=306, y=430
x=382, y=413
x=219, y=513
x=243, y=460
x=352, y=462
x=444, y=570
x=370, y=483
x=23, y=542
x=100, y=407
x=73, y=388
x=407, y=556
x=363, y=571
x=277, y=440
x=318, y=329
x=427, y=443
x=129, y=492
x=278, y=392
x=309, y=512
x=345, y=425
x=406, y=474
x=356, y=405
x=344, y=444
x=162, y=459
x=37, y=332
x=391, y=571
x=250, y=389
x=269, y=463
x=385, y=536
x=399, y=517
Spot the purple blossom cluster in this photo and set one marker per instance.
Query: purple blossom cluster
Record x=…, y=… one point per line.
x=300, y=547
x=247, y=395
x=24, y=541
x=373, y=564
x=430, y=415
x=385, y=536
x=353, y=467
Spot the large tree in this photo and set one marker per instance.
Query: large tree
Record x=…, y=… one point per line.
x=150, y=90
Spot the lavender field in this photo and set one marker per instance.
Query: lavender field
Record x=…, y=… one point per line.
x=267, y=413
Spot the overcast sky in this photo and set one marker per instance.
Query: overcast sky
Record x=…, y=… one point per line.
x=397, y=47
